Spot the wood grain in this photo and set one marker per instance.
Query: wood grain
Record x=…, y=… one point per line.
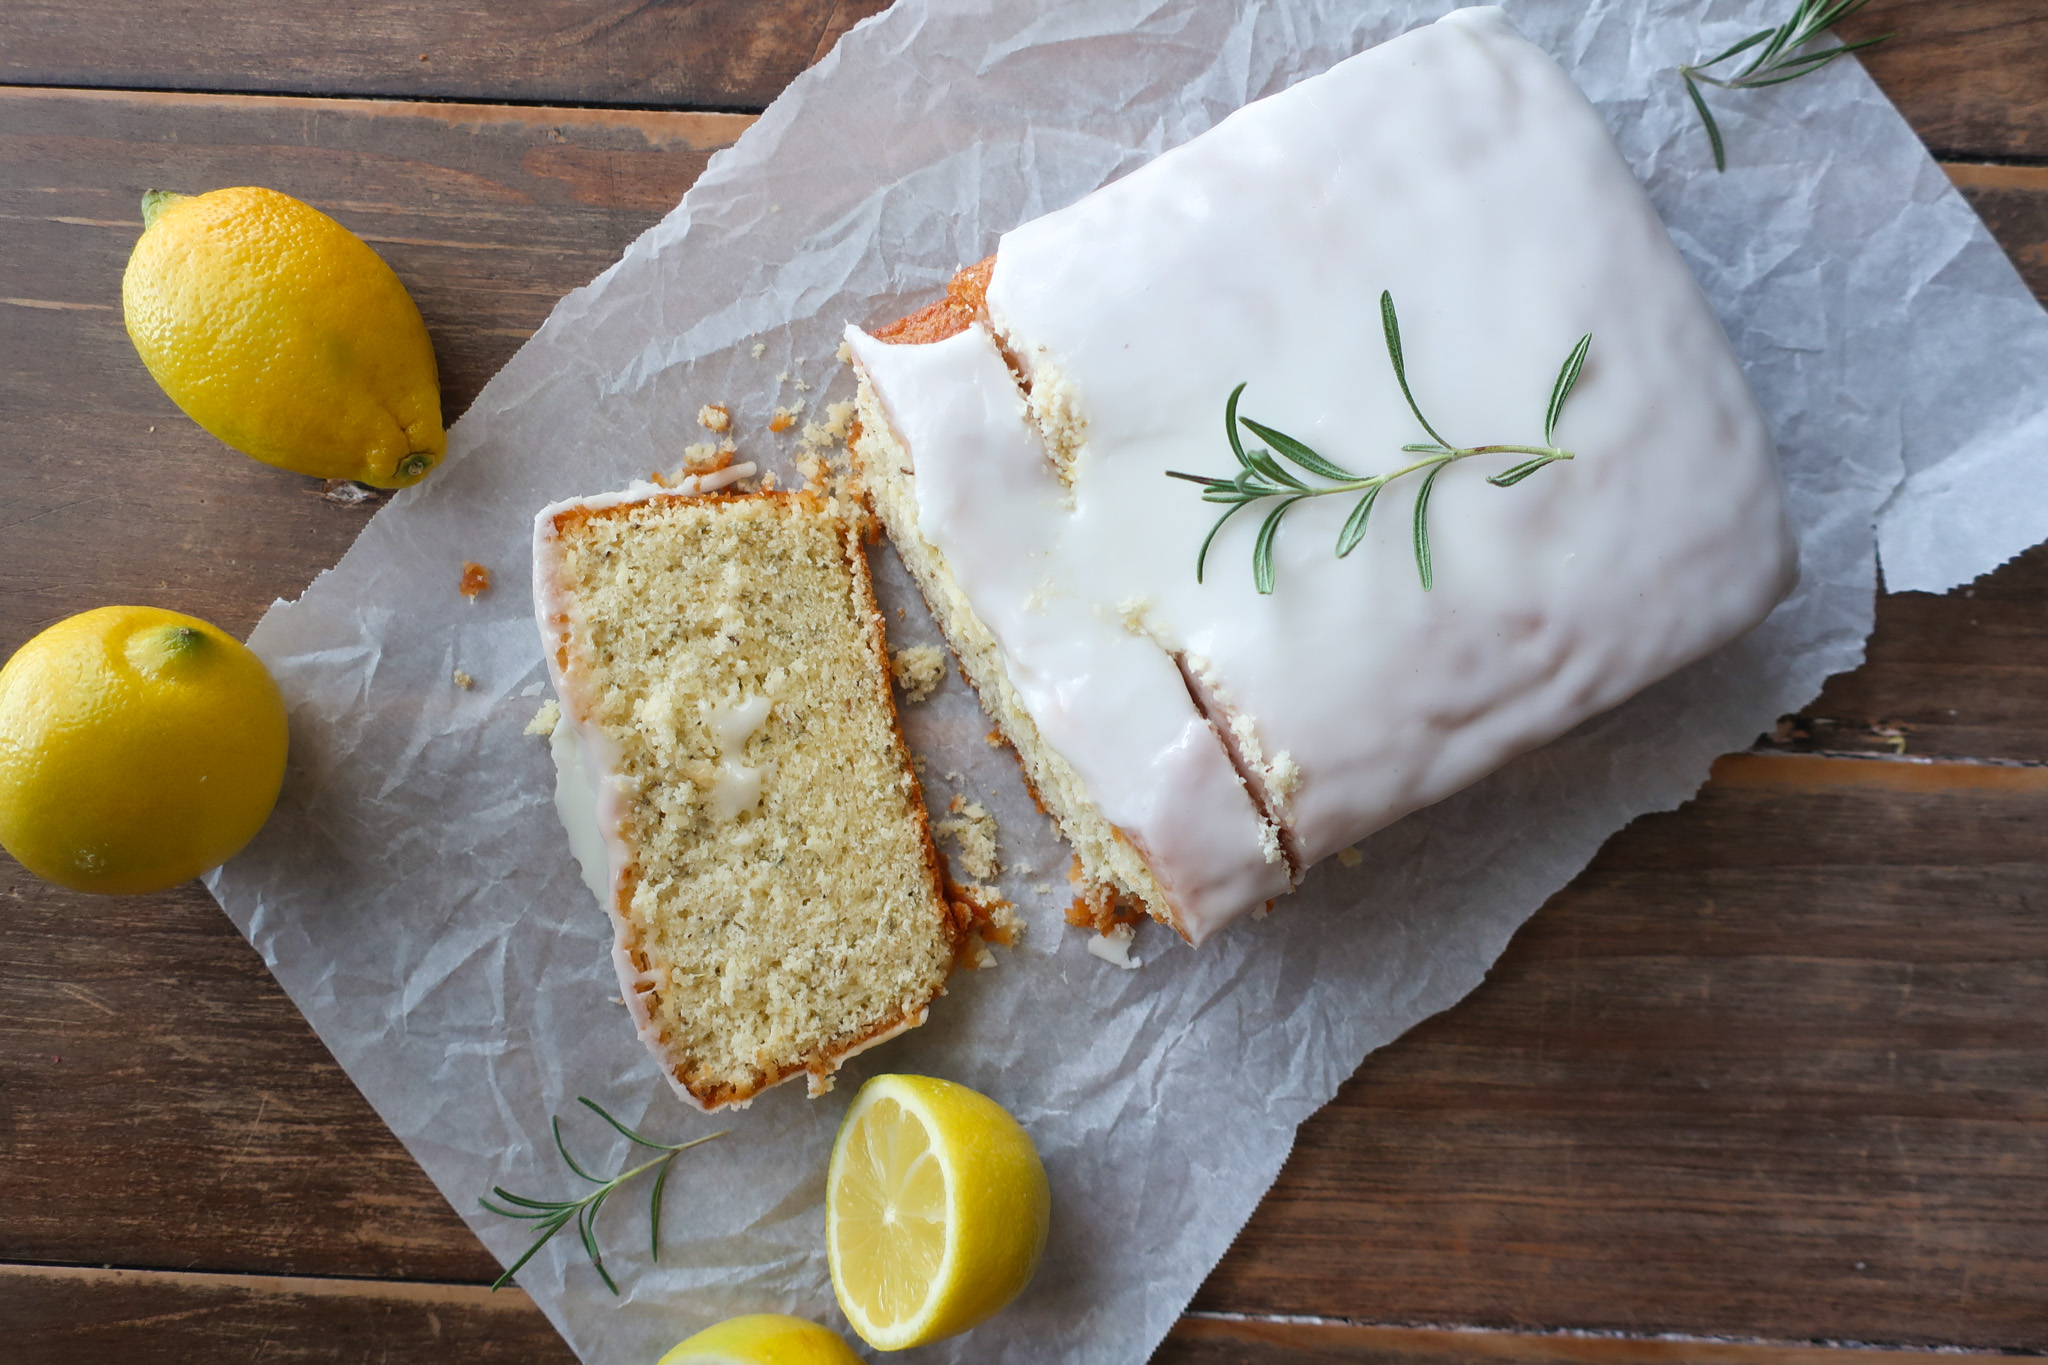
x=1771, y=1065
x=489, y=215
x=59, y=1315
x=710, y=54
x=1967, y=74
x=1961, y=675
x=1205, y=1340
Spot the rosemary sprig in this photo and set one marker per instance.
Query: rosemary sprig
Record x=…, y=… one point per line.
x=550, y=1216
x=1778, y=61
x=1261, y=475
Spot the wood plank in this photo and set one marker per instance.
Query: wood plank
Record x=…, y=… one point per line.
x=714, y=54
x=1209, y=1340
x=144, y=1051
x=1967, y=75
x=1965, y=72
x=1960, y=675
x=203, y=1090
x=58, y=1315
x=1770, y=1066
x=489, y=214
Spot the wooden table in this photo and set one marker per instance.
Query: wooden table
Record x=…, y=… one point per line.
x=1770, y=1077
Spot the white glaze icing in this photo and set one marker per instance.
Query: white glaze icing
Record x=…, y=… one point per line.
x=1111, y=701
x=576, y=805
x=735, y=787
x=1460, y=168
x=1114, y=947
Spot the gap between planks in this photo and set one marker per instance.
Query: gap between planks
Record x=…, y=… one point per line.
x=512, y=1298
x=698, y=129
x=693, y=130
x=1327, y=1339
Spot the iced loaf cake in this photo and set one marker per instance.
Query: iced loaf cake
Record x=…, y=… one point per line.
x=1202, y=743
x=776, y=902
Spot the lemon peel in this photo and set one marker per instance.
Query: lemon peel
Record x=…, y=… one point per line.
x=936, y=1210
x=763, y=1339
x=282, y=333
x=138, y=748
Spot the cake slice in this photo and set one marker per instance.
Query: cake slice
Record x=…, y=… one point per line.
x=776, y=901
x=1204, y=735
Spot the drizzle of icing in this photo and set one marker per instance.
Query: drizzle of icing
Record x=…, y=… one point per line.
x=735, y=787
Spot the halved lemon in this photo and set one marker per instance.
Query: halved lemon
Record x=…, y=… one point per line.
x=936, y=1210
x=764, y=1339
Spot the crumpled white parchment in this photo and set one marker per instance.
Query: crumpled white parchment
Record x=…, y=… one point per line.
x=415, y=896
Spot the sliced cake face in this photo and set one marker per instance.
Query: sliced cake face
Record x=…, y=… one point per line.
x=1458, y=171
x=775, y=894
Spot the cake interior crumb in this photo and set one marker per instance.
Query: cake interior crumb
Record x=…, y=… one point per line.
x=973, y=831
x=545, y=719
x=918, y=671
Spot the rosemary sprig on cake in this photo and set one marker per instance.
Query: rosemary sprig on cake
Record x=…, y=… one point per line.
x=1261, y=476
x=550, y=1216
x=1779, y=60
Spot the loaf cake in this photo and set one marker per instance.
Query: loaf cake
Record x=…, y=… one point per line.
x=744, y=796
x=1412, y=243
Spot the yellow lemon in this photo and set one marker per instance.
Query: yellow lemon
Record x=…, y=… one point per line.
x=279, y=331
x=138, y=748
x=764, y=1339
x=936, y=1209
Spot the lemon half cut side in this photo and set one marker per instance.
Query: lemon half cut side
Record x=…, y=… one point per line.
x=936, y=1211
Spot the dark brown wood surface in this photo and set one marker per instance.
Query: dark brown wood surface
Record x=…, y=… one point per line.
x=1773, y=1072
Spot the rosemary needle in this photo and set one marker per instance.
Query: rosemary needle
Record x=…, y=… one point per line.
x=1261, y=475
x=550, y=1216
x=1778, y=61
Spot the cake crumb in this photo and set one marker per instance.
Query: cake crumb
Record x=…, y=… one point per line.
x=918, y=671
x=785, y=417
x=715, y=417
x=994, y=739
x=919, y=762
x=761, y=349
x=475, y=579
x=1041, y=888
x=545, y=719
x=707, y=457
x=844, y=355
x=974, y=832
x=463, y=680
x=1114, y=947
x=1099, y=908
x=1349, y=857
x=983, y=913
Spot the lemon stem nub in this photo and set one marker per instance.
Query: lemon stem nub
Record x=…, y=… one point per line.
x=183, y=639
x=154, y=202
x=412, y=466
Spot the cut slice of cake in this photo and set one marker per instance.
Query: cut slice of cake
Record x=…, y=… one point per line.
x=776, y=901
x=1208, y=709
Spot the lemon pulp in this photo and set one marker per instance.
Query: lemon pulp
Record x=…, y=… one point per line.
x=936, y=1210
x=893, y=1219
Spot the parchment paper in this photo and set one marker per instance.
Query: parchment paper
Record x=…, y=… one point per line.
x=416, y=897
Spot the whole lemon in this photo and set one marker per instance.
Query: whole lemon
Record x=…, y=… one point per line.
x=763, y=1339
x=138, y=747
x=279, y=331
